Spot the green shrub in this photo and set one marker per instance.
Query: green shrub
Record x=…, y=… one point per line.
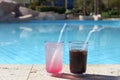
x=47, y=8
x=44, y=8
x=105, y=14
x=59, y=10
x=75, y=10
x=32, y=6
x=68, y=11
x=114, y=12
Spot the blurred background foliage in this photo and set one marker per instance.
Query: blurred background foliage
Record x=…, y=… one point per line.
x=107, y=8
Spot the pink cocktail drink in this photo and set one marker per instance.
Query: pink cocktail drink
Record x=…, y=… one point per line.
x=56, y=67
x=54, y=52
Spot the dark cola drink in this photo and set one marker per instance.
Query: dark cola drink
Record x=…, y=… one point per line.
x=78, y=61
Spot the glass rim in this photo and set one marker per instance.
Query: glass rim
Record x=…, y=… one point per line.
x=53, y=43
x=80, y=42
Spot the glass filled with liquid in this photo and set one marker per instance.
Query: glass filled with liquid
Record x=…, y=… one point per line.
x=78, y=57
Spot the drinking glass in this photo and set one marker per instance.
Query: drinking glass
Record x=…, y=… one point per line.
x=78, y=57
x=54, y=53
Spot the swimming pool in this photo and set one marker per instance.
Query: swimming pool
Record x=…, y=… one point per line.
x=23, y=43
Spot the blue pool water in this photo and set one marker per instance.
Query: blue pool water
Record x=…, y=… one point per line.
x=23, y=43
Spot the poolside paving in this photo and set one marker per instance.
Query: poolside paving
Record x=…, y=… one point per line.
x=38, y=72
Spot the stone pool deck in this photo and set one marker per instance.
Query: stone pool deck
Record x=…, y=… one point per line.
x=38, y=72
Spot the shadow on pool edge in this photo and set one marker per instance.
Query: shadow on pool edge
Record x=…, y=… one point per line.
x=85, y=76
